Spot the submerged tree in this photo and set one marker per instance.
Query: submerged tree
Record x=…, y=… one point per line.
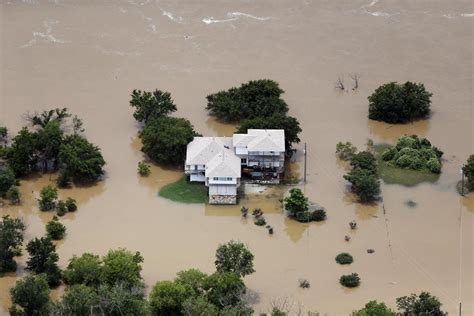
x=81, y=161
x=296, y=203
x=256, y=98
x=165, y=139
x=31, y=294
x=468, y=170
x=11, y=238
x=234, y=256
x=151, y=105
x=399, y=103
x=422, y=304
x=43, y=259
x=21, y=154
x=364, y=183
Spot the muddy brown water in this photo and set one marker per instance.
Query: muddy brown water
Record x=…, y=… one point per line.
x=89, y=55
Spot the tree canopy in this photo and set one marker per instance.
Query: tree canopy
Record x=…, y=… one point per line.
x=422, y=304
x=276, y=121
x=31, y=293
x=151, y=105
x=7, y=178
x=80, y=160
x=468, y=170
x=252, y=99
x=21, y=154
x=412, y=152
x=373, y=308
x=165, y=139
x=43, y=259
x=399, y=103
x=122, y=266
x=234, y=256
x=11, y=238
x=296, y=202
x=364, y=183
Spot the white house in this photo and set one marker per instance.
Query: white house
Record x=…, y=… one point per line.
x=219, y=161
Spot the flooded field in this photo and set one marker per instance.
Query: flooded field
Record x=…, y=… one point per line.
x=89, y=55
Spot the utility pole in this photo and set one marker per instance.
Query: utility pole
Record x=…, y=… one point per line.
x=304, y=176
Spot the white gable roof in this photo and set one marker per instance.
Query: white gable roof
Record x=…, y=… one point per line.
x=261, y=140
x=202, y=149
x=225, y=164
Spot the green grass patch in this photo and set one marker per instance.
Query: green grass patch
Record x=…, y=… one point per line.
x=185, y=192
x=393, y=175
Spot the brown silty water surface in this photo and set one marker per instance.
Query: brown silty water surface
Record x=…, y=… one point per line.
x=89, y=55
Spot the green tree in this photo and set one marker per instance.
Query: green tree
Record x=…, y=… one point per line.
x=239, y=309
x=468, y=170
x=151, y=105
x=143, y=169
x=296, y=202
x=345, y=151
x=48, y=142
x=120, y=299
x=13, y=194
x=192, y=278
x=167, y=297
x=48, y=198
x=199, y=306
x=7, y=178
x=3, y=135
x=364, y=160
x=252, y=99
x=71, y=204
x=422, y=304
x=399, y=103
x=122, y=266
x=350, y=280
x=344, y=258
x=373, y=308
x=11, y=238
x=165, y=139
x=55, y=230
x=31, y=293
x=81, y=161
x=364, y=183
x=86, y=269
x=78, y=300
x=43, y=259
x=234, y=256
x=224, y=288
x=44, y=118
x=276, y=121
x=21, y=154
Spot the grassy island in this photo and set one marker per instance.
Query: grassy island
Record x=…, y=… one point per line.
x=184, y=191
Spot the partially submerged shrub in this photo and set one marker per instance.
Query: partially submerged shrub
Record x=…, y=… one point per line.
x=48, y=198
x=143, y=169
x=13, y=194
x=345, y=151
x=260, y=221
x=61, y=208
x=318, y=215
x=344, y=258
x=304, y=284
x=350, y=280
x=55, y=229
x=71, y=204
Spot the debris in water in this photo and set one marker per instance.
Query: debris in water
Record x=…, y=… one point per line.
x=411, y=203
x=370, y=250
x=353, y=224
x=347, y=238
x=304, y=284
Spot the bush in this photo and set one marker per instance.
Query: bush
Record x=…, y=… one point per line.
x=433, y=165
x=318, y=215
x=13, y=194
x=260, y=221
x=61, y=208
x=350, y=280
x=389, y=154
x=345, y=151
x=399, y=103
x=296, y=202
x=48, y=197
x=364, y=160
x=468, y=170
x=304, y=217
x=143, y=169
x=364, y=184
x=344, y=258
x=71, y=204
x=55, y=229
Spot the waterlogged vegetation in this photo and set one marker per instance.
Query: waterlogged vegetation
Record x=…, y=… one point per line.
x=185, y=191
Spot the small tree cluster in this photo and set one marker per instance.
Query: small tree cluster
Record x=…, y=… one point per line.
x=143, y=169
x=11, y=239
x=55, y=230
x=47, y=147
x=49, y=201
x=345, y=151
x=399, y=103
x=416, y=153
x=350, y=280
x=43, y=259
x=298, y=207
x=468, y=170
x=363, y=176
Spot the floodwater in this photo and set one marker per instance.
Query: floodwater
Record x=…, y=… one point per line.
x=89, y=55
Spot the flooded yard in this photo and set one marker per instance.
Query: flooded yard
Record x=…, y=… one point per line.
x=89, y=56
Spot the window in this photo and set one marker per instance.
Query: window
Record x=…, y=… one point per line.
x=243, y=160
x=216, y=178
x=229, y=179
x=195, y=167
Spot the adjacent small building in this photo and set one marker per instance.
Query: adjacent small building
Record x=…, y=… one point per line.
x=219, y=162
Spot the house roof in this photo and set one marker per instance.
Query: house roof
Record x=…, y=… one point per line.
x=224, y=164
x=202, y=149
x=261, y=140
